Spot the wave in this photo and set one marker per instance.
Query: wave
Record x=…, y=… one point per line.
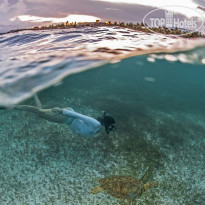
x=33, y=60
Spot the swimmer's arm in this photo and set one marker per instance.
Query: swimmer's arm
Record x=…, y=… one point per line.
x=86, y=119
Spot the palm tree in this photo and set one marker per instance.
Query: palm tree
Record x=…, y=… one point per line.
x=122, y=24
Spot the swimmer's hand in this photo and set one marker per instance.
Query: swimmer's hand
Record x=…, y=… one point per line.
x=57, y=110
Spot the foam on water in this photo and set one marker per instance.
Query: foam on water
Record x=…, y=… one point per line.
x=33, y=60
x=195, y=56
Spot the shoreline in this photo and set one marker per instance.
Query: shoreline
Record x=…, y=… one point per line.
x=141, y=28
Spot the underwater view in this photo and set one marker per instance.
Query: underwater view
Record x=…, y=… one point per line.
x=158, y=103
x=100, y=113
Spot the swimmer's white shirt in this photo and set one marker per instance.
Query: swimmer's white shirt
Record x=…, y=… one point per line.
x=83, y=125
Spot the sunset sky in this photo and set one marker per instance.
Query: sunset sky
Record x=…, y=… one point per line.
x=25, y=13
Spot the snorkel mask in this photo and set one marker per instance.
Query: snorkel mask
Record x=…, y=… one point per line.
x=108, y=122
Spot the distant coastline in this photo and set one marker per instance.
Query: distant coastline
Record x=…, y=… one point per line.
x=138, y=27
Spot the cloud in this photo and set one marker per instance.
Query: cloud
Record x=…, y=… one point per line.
x=112, y=9
x=63, y=8
x=7, y=11
x=200, y=2
x=102, y=9
x=4, y=6
x=178, y=6
x=69, y=18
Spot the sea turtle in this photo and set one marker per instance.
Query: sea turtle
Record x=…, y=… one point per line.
x=124, y=187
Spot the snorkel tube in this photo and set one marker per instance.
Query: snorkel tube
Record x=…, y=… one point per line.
x=108, y=122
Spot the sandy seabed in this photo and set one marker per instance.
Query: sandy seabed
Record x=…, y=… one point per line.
x=45, y=163
x=159, y=112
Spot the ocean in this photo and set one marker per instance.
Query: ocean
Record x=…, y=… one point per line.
x=152, y=85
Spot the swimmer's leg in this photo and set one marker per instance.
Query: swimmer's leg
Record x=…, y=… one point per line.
x=28, y=108
x=33, y=109
x=37, y=101
x=46, y=114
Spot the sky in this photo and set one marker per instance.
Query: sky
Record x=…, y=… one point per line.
x=27, y=13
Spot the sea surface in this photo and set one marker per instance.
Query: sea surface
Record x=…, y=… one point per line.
x=153, y=85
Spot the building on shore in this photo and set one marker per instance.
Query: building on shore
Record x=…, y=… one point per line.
x=91, y=24
x=108, y=23
x=36, y=28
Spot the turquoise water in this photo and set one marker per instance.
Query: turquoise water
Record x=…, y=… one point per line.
x=159, y=108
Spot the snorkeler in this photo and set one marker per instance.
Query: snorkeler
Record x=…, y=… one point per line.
x=81, y=124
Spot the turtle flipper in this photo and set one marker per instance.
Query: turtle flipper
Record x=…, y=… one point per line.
x=96, y=190
x=148, y=185
x=148, y=173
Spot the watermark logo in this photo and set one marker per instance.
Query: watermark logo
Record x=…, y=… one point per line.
x=169, y=18
x=166, y=20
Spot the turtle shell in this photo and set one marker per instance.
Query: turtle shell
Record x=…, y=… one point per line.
x=122, y=187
